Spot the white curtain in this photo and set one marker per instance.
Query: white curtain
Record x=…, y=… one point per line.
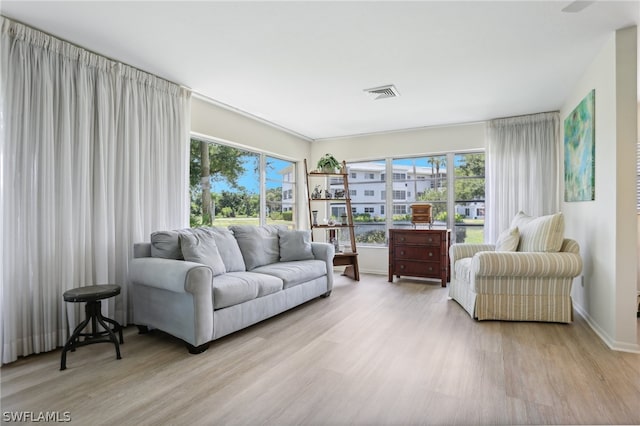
x=93, y=158
x=522, y=169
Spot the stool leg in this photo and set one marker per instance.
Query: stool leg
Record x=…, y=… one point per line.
x=70, y=345
x=116, y=326
x=112, y=336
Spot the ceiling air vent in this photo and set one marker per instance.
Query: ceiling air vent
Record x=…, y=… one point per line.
x=382, y=92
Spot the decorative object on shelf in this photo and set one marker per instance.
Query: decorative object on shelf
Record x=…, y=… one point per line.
x=421, y=213
x=328, y=164
x=327, y=194
x=331, y=222
x=343, y=219
x=317, y=192
x=338, y=193
x=315, y=217
x=336, y=245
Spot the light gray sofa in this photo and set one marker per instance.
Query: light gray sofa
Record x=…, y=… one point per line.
x=203, y=283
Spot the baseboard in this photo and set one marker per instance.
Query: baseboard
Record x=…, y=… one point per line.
x=612, y=344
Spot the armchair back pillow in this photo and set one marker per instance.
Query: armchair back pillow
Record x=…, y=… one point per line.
x=539, y=234
x=508, y=240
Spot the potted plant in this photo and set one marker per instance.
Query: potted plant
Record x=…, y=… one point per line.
x=328, y=164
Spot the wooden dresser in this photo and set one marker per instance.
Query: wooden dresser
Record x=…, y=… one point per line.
x=419, y=253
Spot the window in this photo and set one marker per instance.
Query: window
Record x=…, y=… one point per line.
x=423, y=179
x=354, y=175
x=353, y=193
x=370, y=176
x=243, y=186
x=399, y=209
x=399, y=195
x=469, y=197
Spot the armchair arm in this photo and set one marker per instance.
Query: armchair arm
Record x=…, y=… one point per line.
x=462, y=250
x=526, y=264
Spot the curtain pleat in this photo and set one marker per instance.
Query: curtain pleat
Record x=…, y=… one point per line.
x=93, y=158
x=523, y=169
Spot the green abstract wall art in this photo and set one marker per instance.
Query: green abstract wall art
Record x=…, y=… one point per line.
x=580, y=151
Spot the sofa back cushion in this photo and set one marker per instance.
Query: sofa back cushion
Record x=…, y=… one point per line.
x=295, y=245
x=166, y=244
x=228, y=249
x=200, y=246
x=259, y=244
x=539, y=234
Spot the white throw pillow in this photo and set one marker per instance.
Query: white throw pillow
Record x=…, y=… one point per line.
x=540, y=234
x=508, y=240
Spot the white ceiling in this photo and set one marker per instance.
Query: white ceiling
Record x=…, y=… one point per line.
x=303, y=65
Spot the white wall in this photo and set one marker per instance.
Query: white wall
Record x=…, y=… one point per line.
x=606, y=228
x=431, y=140
x=213, y=121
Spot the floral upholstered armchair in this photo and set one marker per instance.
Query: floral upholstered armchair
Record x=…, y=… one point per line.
x=526, y=276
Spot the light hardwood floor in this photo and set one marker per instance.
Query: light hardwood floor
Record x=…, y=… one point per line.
x=372, y=353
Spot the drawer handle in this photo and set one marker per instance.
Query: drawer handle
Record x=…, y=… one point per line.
x=430, y=254
x=402, y=238
x=401, y=266
x=402, y=253
x=430, y=269
x=430, y=239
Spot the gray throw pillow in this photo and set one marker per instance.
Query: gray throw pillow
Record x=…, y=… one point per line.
x=166, y=244
x=229, y=249
x=295, y=245
x=200, y=246
x=259, y=244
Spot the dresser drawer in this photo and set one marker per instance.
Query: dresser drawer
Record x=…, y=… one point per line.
x=418, y=269
x=417, y=238
x=431, y=253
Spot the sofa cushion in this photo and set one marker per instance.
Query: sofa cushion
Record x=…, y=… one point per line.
x=541, y=234
x=166, y=244
x=295, y=245
x=259, y=244
x=200, y=246
x=234, y=288
x=229, y=249
x=296, y=272
x=508, y=240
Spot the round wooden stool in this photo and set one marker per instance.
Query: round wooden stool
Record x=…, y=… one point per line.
x=92, y=296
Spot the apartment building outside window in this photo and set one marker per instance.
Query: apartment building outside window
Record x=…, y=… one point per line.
x=457, y=198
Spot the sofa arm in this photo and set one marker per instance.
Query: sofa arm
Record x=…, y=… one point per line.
x=178, y=276
x=526, y=264
x=325, y=252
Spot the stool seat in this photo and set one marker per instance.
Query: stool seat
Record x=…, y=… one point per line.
x=92, y=295
x=91, y=292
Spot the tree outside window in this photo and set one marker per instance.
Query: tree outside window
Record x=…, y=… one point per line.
x=226, y=186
